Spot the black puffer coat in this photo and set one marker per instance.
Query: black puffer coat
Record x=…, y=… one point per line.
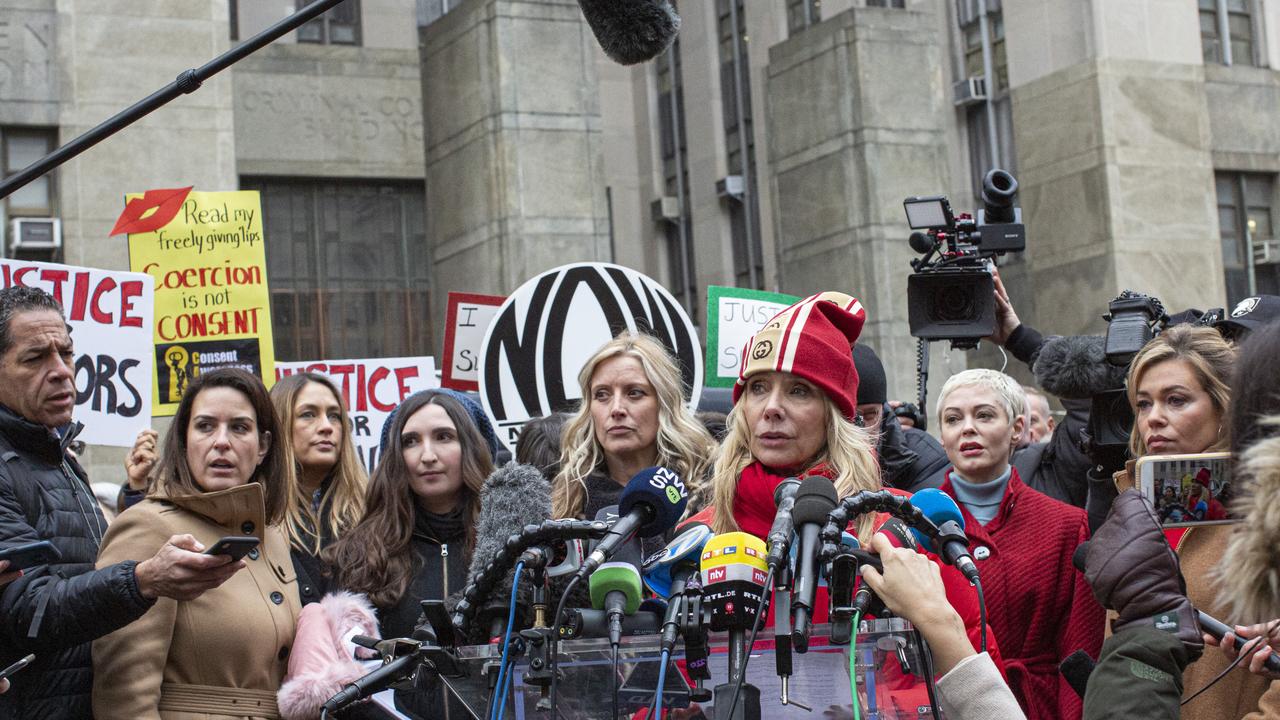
x=55, y=610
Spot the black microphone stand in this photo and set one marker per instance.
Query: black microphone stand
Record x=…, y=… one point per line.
x=188, y=81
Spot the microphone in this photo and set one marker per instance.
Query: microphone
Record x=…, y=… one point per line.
x=650, y=504
x=615, y=588
x=900, y=536
x=815, y=499
x=668, y=573
x=380, y=679
x=631, y=31
x=513, y=496
x=733, y=574
x=952, y=545
x=1211, y=625
x=779, y=538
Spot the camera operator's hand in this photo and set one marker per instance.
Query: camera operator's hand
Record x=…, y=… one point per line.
x=905, y=412
x=1006, y=318
x=1255, y=641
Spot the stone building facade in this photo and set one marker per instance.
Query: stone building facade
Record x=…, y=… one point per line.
x=405, y=148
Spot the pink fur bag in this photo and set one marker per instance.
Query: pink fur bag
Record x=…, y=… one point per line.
x=323, y=658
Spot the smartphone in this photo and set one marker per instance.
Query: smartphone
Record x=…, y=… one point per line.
x=1187, y=490
x=237, y=546
x=16, y=666
x=21, y=557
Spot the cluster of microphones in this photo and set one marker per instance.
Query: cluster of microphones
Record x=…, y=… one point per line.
x=525, y=594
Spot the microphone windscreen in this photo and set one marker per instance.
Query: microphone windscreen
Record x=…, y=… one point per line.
x=660, y=489
x=685, y=548
x=815, y=499
x=616, y=576
x=1076, y=670
x=1076, y=367
x=513, y=496
x=733, y=574
x=938, y=507
x=631, y=31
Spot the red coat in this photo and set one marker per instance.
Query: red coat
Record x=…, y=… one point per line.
x=1038, y=604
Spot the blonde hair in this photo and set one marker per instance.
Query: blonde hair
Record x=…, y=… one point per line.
x=1013, y=400
x=1248, y=575
x=684, y=445
x=847, y=453
x=1211, y=359
x=345, y=495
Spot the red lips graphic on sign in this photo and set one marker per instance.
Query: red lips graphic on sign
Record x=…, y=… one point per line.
x=166, y=204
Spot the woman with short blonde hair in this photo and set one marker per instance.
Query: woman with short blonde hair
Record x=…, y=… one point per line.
x=634, y=414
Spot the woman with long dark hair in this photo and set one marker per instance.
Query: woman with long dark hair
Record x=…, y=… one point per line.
x=323, y=475
x=415, y=540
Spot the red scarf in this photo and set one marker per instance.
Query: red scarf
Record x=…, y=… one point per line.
x=753, y=507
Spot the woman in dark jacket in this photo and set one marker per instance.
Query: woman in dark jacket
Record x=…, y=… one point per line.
x=415, y=540
x=325, y=479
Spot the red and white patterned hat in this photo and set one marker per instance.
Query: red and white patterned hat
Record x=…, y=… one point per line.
x=812, y=339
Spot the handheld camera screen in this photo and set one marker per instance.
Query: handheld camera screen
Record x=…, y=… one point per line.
x=926, y=213
x=1187, y=489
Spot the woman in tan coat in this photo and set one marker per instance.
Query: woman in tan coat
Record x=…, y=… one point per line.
x=224, y=654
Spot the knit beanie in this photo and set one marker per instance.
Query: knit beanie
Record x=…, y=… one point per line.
x=872, y=385
x=472, y=407
x=811, y=339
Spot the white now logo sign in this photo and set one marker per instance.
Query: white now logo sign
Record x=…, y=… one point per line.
x=546, y=330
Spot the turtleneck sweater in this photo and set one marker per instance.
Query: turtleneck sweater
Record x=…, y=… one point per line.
x=981, y=499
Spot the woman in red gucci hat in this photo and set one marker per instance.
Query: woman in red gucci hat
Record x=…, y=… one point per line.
x=794, y=407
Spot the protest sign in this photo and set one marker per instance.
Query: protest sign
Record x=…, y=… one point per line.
x=544, y=333
x=371, y=389
x=733, y=316
x=212, y=308
x=110, y=317
x=465, y=324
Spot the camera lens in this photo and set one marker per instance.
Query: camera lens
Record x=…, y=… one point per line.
x=954, y=303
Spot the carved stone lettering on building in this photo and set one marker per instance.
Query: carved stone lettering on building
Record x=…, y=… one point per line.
x=338, y=118
x=26, y=55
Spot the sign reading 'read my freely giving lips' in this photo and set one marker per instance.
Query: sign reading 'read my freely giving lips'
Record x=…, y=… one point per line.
x=212, y=306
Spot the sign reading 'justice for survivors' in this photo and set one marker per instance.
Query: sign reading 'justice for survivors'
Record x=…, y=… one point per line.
x=212, y=308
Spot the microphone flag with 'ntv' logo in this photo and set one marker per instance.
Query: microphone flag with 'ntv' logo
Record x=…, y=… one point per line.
x=733, y=574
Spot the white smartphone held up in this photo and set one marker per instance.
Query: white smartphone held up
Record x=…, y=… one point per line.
x=1187, y=489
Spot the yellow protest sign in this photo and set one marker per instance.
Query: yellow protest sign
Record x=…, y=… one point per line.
x=212, y=307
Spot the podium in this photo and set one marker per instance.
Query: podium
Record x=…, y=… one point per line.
x=888, y=666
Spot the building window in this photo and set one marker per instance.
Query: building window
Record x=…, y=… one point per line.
x=19, y=148
x=901, y=4
x=802, y=13
x=1246, y=223
x=1226, y=31
x=675, y=173
x=740, y=186
x=348, y=268
x=338, y=26
x=233, y=14
x=989, y=122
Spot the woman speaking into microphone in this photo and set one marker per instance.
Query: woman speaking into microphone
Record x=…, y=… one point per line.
x=793, y=416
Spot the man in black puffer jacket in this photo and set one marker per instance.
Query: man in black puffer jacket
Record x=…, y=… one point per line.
x=56, y=610
x=910, y=459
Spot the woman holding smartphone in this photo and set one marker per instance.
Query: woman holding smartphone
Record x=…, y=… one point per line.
x=225, y=652
x=1179, y=388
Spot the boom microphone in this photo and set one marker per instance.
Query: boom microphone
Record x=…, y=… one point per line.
x=375, y=682
x=650, y=504
x=943, y=511
x=631, y=31
x=815, y=499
